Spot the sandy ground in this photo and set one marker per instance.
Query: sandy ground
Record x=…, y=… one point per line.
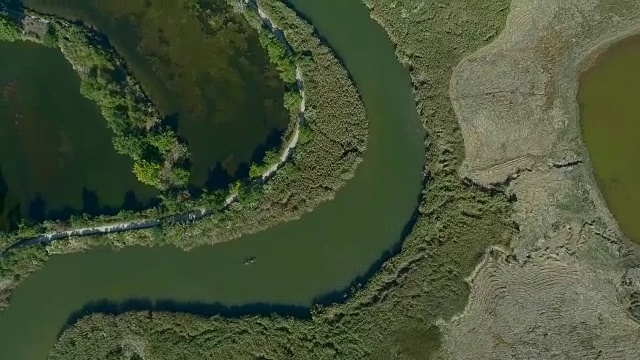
x=568, y=287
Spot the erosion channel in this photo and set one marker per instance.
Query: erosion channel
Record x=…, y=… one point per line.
x=296, y=264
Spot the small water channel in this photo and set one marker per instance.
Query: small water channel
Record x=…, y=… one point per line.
x=610, y=119
x=56, y=156
x=211, y=77
x=296, y=263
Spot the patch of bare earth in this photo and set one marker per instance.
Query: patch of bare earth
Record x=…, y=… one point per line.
x=569, y=286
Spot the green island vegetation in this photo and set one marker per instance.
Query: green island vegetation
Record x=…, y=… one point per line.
x=325, y=157
x=394, y=315
x=160, y=157
x=92, y=58
x=9, y=30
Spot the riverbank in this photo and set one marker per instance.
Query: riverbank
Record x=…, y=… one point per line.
x=393, y=314
x=570, y=266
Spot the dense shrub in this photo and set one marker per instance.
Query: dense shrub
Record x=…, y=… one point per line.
x=9, y=30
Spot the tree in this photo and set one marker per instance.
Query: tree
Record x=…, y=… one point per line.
x=279, y=57
x=292, y=100
x=255, y=171
x=305, y=134
x=164, y=141
x=148, y=173
x=180, y=176
x=271, y=157
x=9, y=30
x=51, y=38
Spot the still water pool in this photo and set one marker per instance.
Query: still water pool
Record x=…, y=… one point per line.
x=610, y=116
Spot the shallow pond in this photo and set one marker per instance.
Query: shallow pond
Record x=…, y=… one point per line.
x=212, y=78
x=56, y=156
x=316, y=257
x=610, y=119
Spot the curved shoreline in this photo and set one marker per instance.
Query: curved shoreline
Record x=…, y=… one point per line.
x=584, y=63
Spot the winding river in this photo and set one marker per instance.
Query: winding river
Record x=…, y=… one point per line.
x=295, y=263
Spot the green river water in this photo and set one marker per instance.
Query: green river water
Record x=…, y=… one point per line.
x=610, y=116
x=296, y=262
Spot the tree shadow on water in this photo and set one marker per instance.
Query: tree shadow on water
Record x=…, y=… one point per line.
x=10, y=210
x=12, y=218
x=242, y=172
x=106, y=306
x=39, y=209
x=172, y=121
x=272, y=142
x=4, y=190
x=218, y=178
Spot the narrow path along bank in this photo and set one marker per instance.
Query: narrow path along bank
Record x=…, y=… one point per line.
x=295, y=262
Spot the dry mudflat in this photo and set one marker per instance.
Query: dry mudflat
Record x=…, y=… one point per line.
x=569, y=284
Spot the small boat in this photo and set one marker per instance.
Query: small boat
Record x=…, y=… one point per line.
x=250, y=260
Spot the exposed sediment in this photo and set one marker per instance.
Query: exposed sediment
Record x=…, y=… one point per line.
x=566, y=287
